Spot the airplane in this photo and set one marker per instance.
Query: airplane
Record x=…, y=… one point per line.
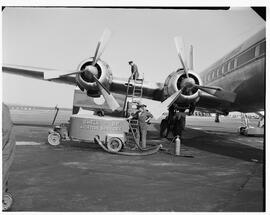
x=236, y=82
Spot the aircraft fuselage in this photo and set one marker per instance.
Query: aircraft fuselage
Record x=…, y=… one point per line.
x=242, y=72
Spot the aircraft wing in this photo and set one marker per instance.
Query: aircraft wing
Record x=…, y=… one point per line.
x=210, y=103
x=38, y=73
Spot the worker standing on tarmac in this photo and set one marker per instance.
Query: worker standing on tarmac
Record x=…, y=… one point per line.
x=134, y=70
x=143, y=116
x=8, y=150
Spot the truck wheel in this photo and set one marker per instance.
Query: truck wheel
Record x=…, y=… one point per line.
x=54, y=139
x=114, y=144
x=7, y=202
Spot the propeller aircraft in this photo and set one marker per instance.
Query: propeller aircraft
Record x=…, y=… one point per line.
x=234, y=83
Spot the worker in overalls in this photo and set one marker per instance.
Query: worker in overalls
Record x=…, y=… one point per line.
x=8, y=150
x=143, y=116
x=134, y=70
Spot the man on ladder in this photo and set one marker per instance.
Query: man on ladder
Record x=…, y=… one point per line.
x=134, y=70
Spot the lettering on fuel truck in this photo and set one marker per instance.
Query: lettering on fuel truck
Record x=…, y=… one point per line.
x=95, y=125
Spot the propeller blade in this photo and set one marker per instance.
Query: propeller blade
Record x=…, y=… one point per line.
x=206, y=87
x=101, y=45
x=180, y=49
x=111, y=101
x=53, y=74
x=191, y=58
x=218, y=92
x=163, y=107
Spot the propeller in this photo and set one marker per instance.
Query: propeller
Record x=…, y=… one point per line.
x=191, y=57
x=163, y=106
x=101, y=45
x=218, y=92
x=189, y=82
x=179, y=44
x=91, y=71
x=111, y=101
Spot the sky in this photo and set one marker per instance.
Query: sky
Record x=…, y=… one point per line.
x=60, y=38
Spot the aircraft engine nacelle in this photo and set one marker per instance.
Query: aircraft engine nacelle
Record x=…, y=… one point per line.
x=85, y=80
x=176, y=81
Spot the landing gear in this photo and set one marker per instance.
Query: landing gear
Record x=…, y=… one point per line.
x=179, y=125
x=163, y=128
x=217, y=118
x=176, y=126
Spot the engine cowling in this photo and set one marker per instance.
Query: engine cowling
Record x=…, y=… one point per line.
x=176, y=81
x=85, y=79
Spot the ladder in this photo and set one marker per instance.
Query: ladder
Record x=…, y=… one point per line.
x=130, y=106
x=131, y=100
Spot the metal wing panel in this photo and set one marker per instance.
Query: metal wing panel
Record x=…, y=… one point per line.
x=151, y=90
x=37, y=73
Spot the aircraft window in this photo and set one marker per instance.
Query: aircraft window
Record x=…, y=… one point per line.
x=262, y=48
x=257, y=49
x=225, y=70
x=209, y=77
x=213, y=74
x=216, y=73
x=231, y=65
x=219, y=71
x=245, y=57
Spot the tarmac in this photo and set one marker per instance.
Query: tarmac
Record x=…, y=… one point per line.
x=219, y=171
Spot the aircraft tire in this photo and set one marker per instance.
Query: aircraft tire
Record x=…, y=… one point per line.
x=114, y=144
x=54, y=139
x=179, y=126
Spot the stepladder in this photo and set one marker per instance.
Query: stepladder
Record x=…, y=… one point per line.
x=133, y=98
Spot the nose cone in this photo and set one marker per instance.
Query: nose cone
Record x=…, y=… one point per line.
x=188, y=82
x=90, y=71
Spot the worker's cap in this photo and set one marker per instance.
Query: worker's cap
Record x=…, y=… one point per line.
x=130, y=62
